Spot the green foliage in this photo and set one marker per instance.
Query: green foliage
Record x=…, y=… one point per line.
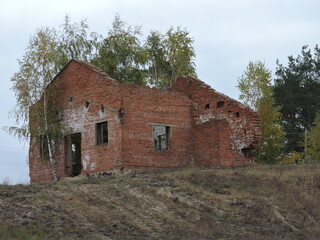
x=74, y=41
x=170, y=55
x=158, y=62
x=296, y=89
x=37, y=68
x=158, y=67
x=121, y=55
x=254, y=84
x=293, y=158
x=179, y=53
x=256, y=92
x=47, y=52
x=272, y=135
x=312, y=141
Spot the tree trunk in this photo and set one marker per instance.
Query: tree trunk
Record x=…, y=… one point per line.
x=49, y=141
x=52, y=161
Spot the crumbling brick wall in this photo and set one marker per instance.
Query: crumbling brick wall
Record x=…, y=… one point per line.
x=225, y=131
x=86, y=96
x=204, y=127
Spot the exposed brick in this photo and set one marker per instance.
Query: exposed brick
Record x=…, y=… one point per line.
x=207, y=127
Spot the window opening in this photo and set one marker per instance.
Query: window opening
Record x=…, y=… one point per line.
x=237, y=114
x=207, y=106
x=160, y=136
x=71, y=100
x=220, y=104
x=247, y=152
x=87, y=104
x=102, y=133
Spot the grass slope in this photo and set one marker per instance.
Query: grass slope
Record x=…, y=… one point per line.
x=261, y=202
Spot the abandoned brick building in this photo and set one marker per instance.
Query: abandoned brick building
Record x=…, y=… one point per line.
x=118, y=126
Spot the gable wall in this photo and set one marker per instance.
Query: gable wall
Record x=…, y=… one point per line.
x=83, y=85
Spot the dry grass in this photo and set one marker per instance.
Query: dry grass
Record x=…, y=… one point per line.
x=261, y=202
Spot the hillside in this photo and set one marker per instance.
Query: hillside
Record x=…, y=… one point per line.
x=261, y=202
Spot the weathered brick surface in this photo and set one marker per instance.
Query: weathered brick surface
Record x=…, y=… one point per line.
x=223, y=128
x=201, y=132
x=144, y=107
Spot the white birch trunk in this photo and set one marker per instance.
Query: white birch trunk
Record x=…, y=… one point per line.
x=51, y=158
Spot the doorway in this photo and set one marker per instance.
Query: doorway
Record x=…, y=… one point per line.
x=74, y=165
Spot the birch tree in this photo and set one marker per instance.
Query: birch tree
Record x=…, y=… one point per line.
x=169, y=56
x=121, y=54
x=179, y=53
x=256, y=92
x=37, y=68
x=47, y=53
x=157, y=62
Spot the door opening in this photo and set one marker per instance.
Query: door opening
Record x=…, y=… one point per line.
x=74, y=165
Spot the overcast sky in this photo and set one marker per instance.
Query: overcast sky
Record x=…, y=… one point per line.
x=227, y=35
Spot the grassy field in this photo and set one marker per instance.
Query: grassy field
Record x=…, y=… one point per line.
x=260, y=202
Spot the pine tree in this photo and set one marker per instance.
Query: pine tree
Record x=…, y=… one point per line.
x=296, y=90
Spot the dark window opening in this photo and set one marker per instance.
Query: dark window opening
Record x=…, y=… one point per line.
x=71, y=100
x=245, y=132
x=87, y=104
x=237, y=114
x=101, y=133
x=247, y=152
x=121, y=112
x=220, y=104
x=207, y=106
x=190, y=96
x=160, y=136
x=102, y=109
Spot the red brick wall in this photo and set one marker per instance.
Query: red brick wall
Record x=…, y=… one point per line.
x=221, y=132
x=201, y=132
x=143, y=107
x=83, y=84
